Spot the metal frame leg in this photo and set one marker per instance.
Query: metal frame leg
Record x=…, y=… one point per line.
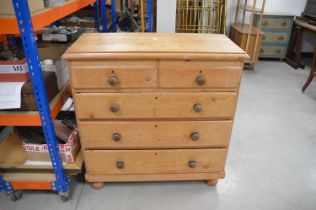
x=103, y=14
x=113, y=11
x=5, y=186
x=25, y=25
x=149, y=16
x=97, y=15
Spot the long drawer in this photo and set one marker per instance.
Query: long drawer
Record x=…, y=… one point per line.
x=276, y=23
x=273, y=51
x=155, y=134
x=154, y=161
x=91, y=106
x=275, y=37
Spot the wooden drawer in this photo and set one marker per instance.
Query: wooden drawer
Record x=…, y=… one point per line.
x=155, y=134
x=92, y=106
x=272, y=51
x=280, y=38
x=154, y=161
x=276, y=23
x=199, y=76
x=113, y=77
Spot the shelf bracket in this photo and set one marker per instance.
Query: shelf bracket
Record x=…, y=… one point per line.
x=27, y=35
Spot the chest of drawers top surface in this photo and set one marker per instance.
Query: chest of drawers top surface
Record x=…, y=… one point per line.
x=152, y=46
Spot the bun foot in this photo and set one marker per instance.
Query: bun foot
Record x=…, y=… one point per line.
x=97, y=185
x=212, y=182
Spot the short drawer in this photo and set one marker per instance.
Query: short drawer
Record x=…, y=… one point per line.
x=199, y=77
x=113, y=77
x=277, y=23
x=91, y=106
x=155, y=134
x=154, y=161
x=273, y=51
x=280, y=38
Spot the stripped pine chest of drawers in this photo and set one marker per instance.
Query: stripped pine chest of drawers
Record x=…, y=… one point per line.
x=155, y=106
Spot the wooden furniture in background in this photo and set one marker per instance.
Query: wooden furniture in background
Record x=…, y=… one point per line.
x=240, y=35
x=155, y=107
x=244, y=32
x=312, y=74
x=293, y=55
x=277, y=31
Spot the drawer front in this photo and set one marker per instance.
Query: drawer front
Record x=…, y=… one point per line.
x=277, y=23
x=199, y=77
x=272, y=51
x=154, y=161
x=280, y=38
x=92, y=106
x=113, y=77
x=155, y=134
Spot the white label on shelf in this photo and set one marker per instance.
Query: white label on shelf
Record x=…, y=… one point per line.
x=10, y=95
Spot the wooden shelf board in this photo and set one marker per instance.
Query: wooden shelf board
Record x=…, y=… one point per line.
x=248, y=8
x=31, y=118
x=13, y=157
x=44, y=17
x=244, y=29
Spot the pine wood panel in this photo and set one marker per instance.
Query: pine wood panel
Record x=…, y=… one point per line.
x=92, y=106
x=98, y=76
x=154, y=177
x=153, y=42
x=215, y=77
x=154, y=161
x=180, y=105
x=155, y=134
x=131, y=105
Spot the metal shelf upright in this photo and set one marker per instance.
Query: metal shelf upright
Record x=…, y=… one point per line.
x=26, y=24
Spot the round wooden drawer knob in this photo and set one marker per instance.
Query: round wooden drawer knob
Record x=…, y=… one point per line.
x=116, y=136
x=200, y=80
x=281, y=38
x=284, y=24
x=278, y=51
x=195, y=136
x=197, y=108
x=113, y=80
x=114, y=108
x=192, y=163
x=120, y=164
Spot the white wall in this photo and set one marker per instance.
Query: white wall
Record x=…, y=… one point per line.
x=166, y=15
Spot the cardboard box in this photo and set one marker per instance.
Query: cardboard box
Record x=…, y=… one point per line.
x=60, y=67
x=68, y=151
x=14, y=71
x=6, y=7
x=53, y=52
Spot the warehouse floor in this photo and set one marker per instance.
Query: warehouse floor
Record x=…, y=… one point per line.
x=271, y=162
